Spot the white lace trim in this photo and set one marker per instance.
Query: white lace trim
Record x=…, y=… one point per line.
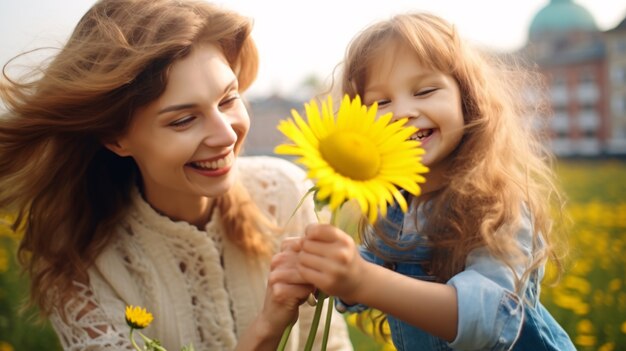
x=87, y=327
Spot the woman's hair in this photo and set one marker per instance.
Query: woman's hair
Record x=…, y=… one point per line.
x=499, y=169
x=69, y=192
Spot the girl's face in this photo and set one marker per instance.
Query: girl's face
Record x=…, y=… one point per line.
x=185, y=143
x=430, y=99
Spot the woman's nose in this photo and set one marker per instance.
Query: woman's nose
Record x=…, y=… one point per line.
x=219, y=131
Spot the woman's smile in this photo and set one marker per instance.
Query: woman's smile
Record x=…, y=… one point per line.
x=214, y=167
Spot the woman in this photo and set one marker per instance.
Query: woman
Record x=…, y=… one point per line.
x=121, y=160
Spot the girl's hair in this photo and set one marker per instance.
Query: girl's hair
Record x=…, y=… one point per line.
x=499, y=170
x=70, y=192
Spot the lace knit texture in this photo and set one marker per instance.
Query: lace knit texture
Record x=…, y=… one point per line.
x=200, y=287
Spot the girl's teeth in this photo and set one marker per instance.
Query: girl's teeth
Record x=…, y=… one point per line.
x=421, y=134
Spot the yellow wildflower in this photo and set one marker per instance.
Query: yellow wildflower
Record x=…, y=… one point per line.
x=4, y=262
x=137, y=317
x=585, y=340
x=584, y=327
x=609, y=346
x=615, y=284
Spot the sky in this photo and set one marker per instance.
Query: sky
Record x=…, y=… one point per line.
x=300, y=39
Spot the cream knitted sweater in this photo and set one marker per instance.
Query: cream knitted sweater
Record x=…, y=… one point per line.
x=200, y=288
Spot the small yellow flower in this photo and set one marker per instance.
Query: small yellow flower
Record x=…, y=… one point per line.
x=137, y=317
x=609, y=346
x=585, y=340
x=4, y=262
x=5, y=346
x=615, y=284
x=584, y=327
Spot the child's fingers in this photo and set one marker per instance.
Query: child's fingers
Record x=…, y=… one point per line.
x=325, y=232
x=319, y=279
x=333, y=268
x=342, y=248
x=315, y=276
x=333, y=276
x=320, y=248
x=320, y=232
x=315, y=262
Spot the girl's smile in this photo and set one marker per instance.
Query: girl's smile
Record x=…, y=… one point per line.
x=424, y=135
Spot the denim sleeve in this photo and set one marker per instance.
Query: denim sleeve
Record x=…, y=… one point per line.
x=490, y=313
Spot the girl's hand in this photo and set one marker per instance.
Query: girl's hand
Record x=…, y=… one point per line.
x=330, y=260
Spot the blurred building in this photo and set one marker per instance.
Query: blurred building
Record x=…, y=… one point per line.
x=585, y=70
x=615, y=40
x=265, y=114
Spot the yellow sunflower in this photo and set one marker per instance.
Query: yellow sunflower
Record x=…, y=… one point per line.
x=355, y=155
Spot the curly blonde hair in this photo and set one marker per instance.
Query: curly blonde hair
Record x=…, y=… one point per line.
x=501, y=165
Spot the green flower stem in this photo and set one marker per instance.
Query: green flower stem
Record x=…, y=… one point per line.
x=151, y=343
x=329, y=314
x=320, y=303
x=132, y=340
x=285, y=338
x=320, y=298
x=316, y=321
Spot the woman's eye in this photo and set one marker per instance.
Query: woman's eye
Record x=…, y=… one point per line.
x=229, y=100
x=182, y=121
x=424, y=92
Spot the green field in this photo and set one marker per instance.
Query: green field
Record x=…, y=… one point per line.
x=589, y=300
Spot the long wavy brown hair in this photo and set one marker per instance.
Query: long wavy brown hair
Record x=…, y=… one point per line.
x=70, y=192
x=500, y=167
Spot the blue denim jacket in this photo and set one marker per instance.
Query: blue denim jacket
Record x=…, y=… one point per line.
x=491, y=316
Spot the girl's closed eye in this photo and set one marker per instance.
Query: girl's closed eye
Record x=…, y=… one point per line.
x=425, y=92
x=371, y=98
x=383, y=102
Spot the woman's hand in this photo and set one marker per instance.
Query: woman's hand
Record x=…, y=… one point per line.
x=330, y=260
x=286, y=291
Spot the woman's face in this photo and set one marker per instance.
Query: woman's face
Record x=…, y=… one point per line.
x=185, y=143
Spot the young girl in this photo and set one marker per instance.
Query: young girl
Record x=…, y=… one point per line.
x=462, y=269
x=121, y=161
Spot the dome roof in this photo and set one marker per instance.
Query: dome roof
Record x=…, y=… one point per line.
x=561, y=16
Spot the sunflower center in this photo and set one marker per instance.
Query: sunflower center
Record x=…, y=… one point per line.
x=351, y=155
